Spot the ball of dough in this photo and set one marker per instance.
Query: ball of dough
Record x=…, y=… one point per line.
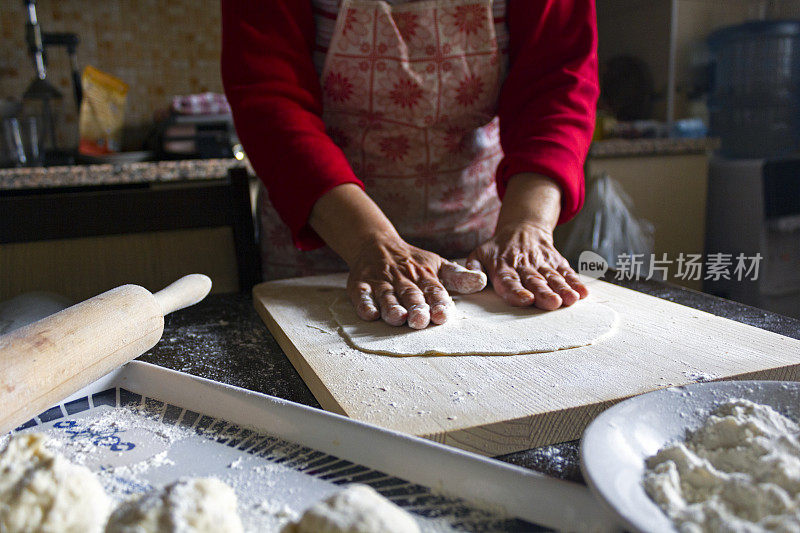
x=197, y=505
x=356, y=509
x=42, y=491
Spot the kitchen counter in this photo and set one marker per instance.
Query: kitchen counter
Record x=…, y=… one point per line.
x=651, y=147
x=91, y=227
x=198, y=169
x=116, y=174
x=222, y=338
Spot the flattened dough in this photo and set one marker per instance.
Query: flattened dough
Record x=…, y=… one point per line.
x=482, y=324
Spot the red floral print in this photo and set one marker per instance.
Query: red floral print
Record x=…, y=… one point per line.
x=453, y=196
x=407, y=24
x=453, y=137
x=405, y=99
x=405, y=94
x=469, y=19
x=337, y=87
x=426, y=178
x=469, y=90
x=395, y=147
x=350, y=21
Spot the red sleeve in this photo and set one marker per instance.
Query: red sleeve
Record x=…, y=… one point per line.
x=274, y=92
x=547, y=103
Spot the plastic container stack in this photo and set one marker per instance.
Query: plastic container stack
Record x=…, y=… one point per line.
x=755, y=94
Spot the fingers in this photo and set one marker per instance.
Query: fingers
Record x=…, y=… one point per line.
x=400, y=283
x=474, y=264
x=507, y=284
x=418, y=311
x=362, y=299
x=462, y=280
x=574, y=281
x=559, y=285
x=392, y=312
x=438, y=299
x=419, y=305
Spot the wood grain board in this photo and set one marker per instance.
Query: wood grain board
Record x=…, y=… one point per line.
x=499, y=404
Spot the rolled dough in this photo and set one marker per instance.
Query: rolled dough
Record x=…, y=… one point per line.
x=482, y=324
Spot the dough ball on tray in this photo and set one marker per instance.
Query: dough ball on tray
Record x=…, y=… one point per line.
x=356, y=509
x=197, y=505
x=42, y=491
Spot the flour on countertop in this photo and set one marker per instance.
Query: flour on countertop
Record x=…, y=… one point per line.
x=740, y=471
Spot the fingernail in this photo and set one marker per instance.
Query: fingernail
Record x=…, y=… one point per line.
x=396, y=311
x=439, y=310
x=524, y=296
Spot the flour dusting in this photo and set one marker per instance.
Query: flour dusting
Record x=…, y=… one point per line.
x=740, y=471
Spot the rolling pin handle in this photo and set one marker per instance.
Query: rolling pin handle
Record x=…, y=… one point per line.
x=185, y=292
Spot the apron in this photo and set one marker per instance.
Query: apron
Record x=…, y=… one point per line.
x=409, y=95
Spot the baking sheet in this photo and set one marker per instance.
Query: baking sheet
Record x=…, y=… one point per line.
x=134, y=430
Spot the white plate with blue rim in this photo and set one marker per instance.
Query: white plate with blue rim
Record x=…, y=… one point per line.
x=616, y=444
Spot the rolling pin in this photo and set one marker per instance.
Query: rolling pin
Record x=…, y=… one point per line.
x=46, y=361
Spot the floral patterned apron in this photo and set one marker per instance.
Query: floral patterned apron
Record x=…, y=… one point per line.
x=409, y=95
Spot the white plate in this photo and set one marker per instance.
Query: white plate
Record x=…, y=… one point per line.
x=616, y=444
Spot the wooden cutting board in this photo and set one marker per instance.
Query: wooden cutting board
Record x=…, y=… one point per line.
x=499, y=404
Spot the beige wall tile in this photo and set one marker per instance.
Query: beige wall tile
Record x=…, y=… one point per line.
x=160, y=49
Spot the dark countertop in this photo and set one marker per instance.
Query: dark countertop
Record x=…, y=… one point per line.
x=200, y=169
x=222, y=338
x=115, y=174
x=651, y=147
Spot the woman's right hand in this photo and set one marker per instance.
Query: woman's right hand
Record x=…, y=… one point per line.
x=399, y=283
x=389, y=278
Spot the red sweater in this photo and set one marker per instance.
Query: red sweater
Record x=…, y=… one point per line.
x=546, y=105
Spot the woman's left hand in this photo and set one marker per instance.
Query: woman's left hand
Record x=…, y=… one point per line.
x=525, y=268
x=520, y=260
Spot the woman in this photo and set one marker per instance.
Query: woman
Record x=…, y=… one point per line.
x=390, y=132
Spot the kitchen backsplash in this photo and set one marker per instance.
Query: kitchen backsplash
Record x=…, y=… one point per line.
x=159, y=48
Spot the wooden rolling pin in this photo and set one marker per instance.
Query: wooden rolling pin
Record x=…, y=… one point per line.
x=44, y=362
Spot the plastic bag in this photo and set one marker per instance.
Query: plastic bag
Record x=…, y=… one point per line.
x=607, y=227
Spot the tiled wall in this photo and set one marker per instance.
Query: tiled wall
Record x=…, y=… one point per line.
x=159, y=48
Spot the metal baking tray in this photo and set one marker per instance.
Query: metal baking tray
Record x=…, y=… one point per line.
x=143, y=426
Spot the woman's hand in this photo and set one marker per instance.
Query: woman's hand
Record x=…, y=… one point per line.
x=526, y=269
x=399, y=283
x=520, y=259
x=389, y=278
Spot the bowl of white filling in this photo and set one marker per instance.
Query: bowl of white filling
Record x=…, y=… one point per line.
x=721, y=456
